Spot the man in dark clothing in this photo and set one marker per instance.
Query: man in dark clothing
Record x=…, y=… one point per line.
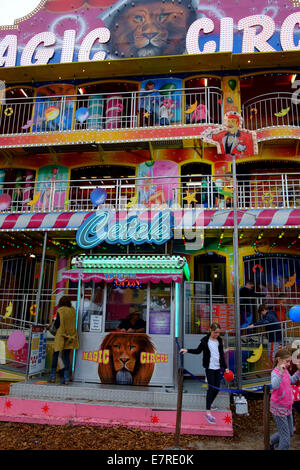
x=133, y=323
x=247, y=303
x=273, y=328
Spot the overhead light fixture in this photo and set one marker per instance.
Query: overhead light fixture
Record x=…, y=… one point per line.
x=294, y=76
x=24, y=93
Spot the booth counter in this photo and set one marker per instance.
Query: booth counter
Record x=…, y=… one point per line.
x=128, y=317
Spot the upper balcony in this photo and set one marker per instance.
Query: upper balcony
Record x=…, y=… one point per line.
x=271, y=110
x=108, y=117
x=270, y=105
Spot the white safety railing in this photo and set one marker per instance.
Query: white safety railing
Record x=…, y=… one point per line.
x=271, y=110
x=206, y=191
x=118, y=110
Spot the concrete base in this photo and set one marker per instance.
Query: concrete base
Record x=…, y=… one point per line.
x=147, y=419
x=194, y=397
x=146, y=408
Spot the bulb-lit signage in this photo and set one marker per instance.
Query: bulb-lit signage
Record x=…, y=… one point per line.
x=255, y=33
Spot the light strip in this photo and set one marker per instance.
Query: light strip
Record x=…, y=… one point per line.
x=177, y=308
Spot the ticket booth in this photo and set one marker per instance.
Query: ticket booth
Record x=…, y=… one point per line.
x=129, y=315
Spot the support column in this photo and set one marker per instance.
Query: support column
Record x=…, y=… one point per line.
x=60, y=283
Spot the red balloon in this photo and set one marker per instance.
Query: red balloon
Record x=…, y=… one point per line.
x=229, y=376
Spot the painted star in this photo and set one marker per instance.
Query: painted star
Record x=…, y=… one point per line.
x=198, y=323
x=154, y=419
x=45, y=408
x=8, y=404
x=228, y=419
x=190, y=197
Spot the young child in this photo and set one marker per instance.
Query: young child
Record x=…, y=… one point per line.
x=282, y=399
x=213, y=360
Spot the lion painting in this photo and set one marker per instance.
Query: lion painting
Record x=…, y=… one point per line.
x=149, y=28
x=124, y=366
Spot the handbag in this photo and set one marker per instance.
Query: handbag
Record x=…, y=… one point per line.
x=52, y=328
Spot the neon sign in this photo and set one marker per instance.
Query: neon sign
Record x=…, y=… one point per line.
x=128, y=283
x=102, y=226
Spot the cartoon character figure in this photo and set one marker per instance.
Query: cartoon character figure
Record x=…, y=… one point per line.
x=231, y=139
x=165, y=113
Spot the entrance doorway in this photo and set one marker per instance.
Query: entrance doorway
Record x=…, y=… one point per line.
x=211, y=267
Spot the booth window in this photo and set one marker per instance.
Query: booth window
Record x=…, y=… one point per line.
x=160, y=309
x=122, y=301
x=92, y=311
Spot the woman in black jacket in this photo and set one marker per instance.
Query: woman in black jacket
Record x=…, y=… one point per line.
x=213, y=361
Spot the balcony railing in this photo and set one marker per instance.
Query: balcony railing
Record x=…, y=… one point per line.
x=209, y=192
x=117, y=110
x=271, y=110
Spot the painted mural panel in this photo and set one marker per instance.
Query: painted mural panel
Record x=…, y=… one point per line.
x=154, y=189
x=51, y=189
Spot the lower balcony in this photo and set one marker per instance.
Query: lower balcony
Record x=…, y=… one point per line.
x=256, y=191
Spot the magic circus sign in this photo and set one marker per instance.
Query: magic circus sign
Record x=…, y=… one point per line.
x=62, y=31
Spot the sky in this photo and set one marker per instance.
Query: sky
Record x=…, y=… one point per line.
x=13, y=9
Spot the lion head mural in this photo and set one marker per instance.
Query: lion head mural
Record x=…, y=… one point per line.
x=124, y=366
x=149, y=28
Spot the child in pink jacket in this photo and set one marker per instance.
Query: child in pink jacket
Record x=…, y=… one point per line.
x=282, y=399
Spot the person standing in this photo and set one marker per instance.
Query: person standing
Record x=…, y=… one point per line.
x=273, y=329
x=213, y=360
x=247, y=302
x=66, y=338
x=282, y=399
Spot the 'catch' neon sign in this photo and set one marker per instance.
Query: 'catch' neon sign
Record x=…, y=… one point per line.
x=128, y=227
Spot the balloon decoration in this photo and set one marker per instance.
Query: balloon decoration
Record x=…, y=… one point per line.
x=256, y=354
x=294, y=313
x=51, y=113
x=167, y=89
x=257, y=266
x=149, y=163
x=33, y=310
x=191, y=108
x=253, y=112
x=232, y=84
x=98, y=196
x=16, y=340
x=291, y=281
x=8, y=111
x=5, y=201
x=282, y=113
x=229, y=376
x=82, y=114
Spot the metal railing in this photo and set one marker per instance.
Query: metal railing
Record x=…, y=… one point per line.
x=118, y=110
x=206, y=191
x=270, y=110
x=259, y=343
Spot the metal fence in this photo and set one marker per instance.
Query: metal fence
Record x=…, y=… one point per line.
x=118, y=110
x=259, y=343
x=207, y=191
x=270, y=110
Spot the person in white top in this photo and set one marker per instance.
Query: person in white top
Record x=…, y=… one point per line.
x=213, y=361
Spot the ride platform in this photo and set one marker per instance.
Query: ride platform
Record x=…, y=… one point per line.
x=145, y=408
